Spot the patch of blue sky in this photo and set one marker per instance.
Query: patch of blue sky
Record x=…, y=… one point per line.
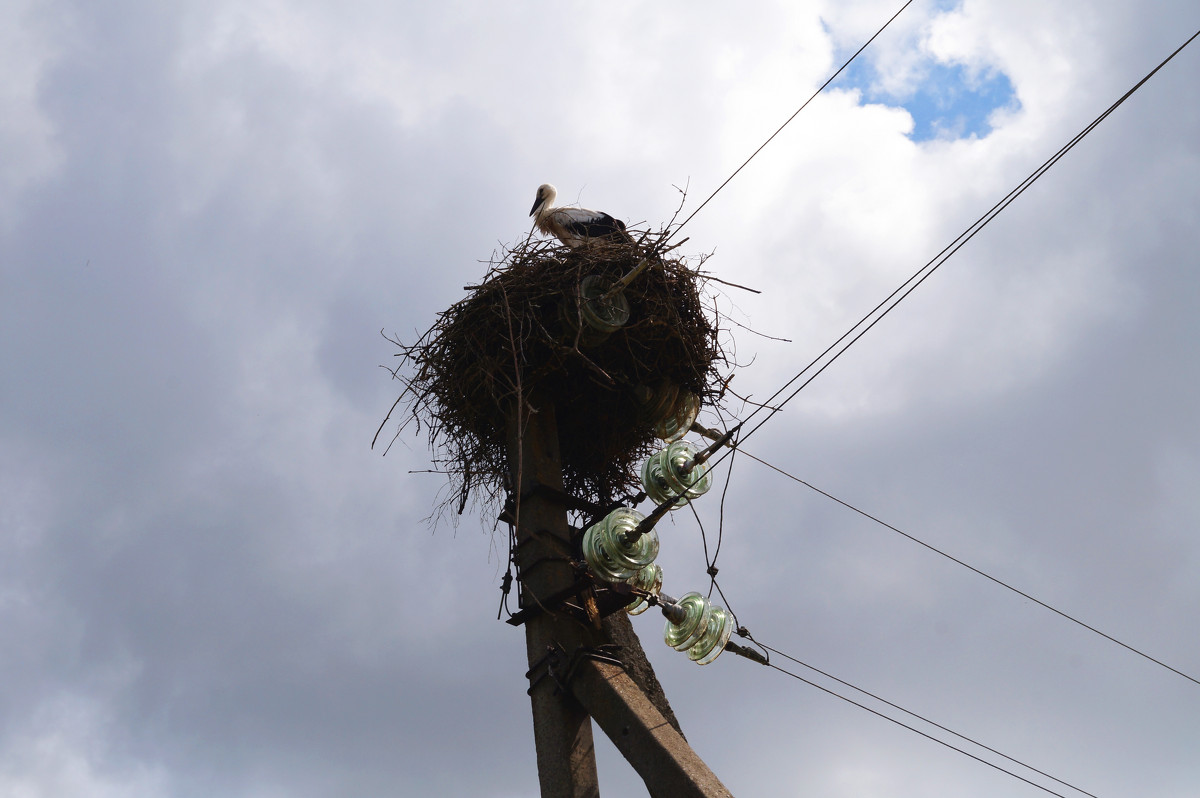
x=949, y=101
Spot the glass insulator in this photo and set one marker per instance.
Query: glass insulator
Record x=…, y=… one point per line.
x=683, y=635
x=612, y=553
x=649, y=579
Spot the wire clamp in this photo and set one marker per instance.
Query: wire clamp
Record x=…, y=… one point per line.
x=561, y=668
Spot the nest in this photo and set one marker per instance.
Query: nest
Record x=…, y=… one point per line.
x=522, y=332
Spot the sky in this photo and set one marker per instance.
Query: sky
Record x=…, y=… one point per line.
x=210, y=584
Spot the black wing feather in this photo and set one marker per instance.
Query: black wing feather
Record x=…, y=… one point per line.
x=600, y=226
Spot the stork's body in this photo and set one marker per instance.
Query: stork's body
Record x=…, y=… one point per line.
x=573, y=226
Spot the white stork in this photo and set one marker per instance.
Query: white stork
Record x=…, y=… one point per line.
x=573, y=226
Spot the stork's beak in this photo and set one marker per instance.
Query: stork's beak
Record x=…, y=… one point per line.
x=536, y=202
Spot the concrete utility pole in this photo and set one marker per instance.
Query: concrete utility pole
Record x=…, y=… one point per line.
x=572, y=676
x=562, y=730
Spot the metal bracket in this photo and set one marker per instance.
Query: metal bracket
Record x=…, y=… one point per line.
x=748, y=653
x=551, y=664
x=554, y=600
x=602, y=653
x=608, y=598
x=543, y=665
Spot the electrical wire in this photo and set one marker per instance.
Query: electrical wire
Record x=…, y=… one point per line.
x=902, y=292
x=926, y=735
x=876, y=314
x=922, y=274
x=789, y=120
x=970, y=567
x=920, y=717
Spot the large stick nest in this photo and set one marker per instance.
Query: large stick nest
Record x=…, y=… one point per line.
x=520, y=334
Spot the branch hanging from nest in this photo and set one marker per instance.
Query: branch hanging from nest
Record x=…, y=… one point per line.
x=522, y=331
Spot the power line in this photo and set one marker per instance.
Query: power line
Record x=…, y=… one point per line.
x=922, y=274
x=899, y=294
x=902, y=724
x=902, y=292
x=970, y=567
x=919, y=717
x=712, y=572
x=789, y=119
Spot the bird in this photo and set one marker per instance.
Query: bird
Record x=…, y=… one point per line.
x=573, y=226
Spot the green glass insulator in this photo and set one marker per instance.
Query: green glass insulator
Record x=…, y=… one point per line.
x=683, y=635
x=673, y=472
x=656, y=481
x=657, y=402
x=680, y=419
x=649, y=579
x=712, y=642
x=601, y=313
x=588, y=317
x=611, y=552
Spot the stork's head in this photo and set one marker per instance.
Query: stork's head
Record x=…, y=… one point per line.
x=545, y=196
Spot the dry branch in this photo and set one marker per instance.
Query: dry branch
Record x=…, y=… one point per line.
x=520, y=330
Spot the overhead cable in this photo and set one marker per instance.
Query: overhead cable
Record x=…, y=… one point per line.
x=926, y=735
x=970, y=567
x=922, y=274
x=789, y=119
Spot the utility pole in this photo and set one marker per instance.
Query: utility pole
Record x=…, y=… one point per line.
x=573, y=675
x=558, y=371
x=562, y=730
